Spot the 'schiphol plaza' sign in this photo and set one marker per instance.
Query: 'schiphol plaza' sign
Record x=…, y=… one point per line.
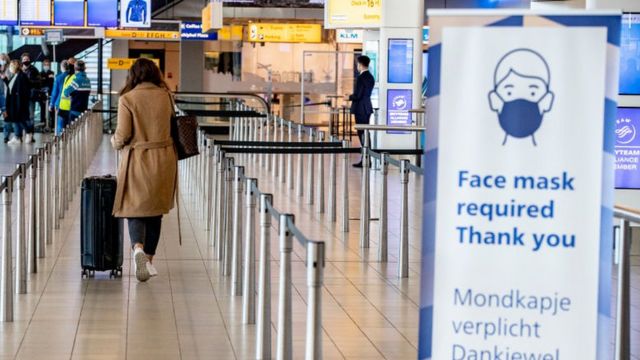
x=518, y=205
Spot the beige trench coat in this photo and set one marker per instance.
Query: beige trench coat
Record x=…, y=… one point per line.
x=148, y=167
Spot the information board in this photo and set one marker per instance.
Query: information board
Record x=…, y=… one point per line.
x=135, y=13
x=102, y=13
x=9, y=12
x=628, y=148
x=352, y=13
x=399, y=102
x=191, y=30
x=35, y=12
x=68, y=13
x=400, y=61
x=630, y=55
x=518, y=209
x=294, y=33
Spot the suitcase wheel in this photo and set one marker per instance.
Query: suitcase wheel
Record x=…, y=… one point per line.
x=115, y=273
x=87, y=273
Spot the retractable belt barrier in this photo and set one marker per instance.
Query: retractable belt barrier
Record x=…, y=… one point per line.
x=272, y=143
x=51, y=175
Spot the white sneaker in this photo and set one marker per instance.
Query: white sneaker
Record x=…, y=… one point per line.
x=140, y=261
x=152, y=269
x=14, y=141
x=28, y=138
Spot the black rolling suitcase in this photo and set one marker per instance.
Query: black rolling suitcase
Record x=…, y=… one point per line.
x=100, y=232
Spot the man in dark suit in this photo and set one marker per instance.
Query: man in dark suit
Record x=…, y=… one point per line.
x=361, y=98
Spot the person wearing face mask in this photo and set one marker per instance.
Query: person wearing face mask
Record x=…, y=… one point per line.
x=47, y=77
x=56, y=96
x=33, y=75
x=521, y=94
x=17, y=102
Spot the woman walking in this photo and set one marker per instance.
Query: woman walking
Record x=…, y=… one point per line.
x=16, y=113
x=148, y=171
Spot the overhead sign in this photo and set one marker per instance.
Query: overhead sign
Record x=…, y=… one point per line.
x=35, y=12
x=352, y=14
x=102, y=13
x=293, y=33
x=9, y=12
x=135, y=13
x=231, y=32
x=124, y=63
x=518, y=208
x=349, y=36
x=193, y=31
x=67, y=32
x=53, y=36
x=212, y=16
x=68, y=13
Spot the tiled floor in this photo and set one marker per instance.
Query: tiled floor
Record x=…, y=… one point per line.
x=189, y=312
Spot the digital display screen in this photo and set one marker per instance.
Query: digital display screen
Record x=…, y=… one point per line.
x=102, y=13
x=400, y=61
x=68, y=13
x=135, y=13
x=630, y=55
x=9, y=12
x=627, y=148
x=35, y=12
x=425, y=72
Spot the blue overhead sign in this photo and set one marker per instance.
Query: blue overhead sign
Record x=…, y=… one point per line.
x=193, y=31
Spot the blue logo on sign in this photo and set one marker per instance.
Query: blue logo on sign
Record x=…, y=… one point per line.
x=399, y=102
x=625, y=131
x=521, y=94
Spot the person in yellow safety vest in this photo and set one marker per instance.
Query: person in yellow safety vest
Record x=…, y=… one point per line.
x=65, y=103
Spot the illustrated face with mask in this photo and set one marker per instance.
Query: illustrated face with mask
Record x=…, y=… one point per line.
x=521, y=94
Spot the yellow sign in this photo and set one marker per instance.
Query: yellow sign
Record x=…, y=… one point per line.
x=206, y=18
x=32, y=31
x=294, y=33
x=231, y=32
x=352, y=13
x=142, y=34
x=124, y=63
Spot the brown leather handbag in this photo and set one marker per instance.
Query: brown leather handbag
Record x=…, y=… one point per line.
x=184, y=131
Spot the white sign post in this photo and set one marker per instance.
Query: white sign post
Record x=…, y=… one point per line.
x=519, y=186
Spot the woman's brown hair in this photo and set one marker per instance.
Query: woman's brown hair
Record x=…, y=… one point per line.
x=143, y=70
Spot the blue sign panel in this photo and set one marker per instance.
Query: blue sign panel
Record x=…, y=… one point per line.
x=628, y=148
x=629, y=55
x=68, y=13
x=35, y=13
x=193, y=31
x=399, y=102
x=135, y=13
x=400, y=61
x=102, y=13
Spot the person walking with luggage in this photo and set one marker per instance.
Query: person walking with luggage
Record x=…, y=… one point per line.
x=17, y=102
x=77, y=88
x=147, y=177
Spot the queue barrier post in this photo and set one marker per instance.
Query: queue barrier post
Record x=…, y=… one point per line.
x=21, y=239
x=249, y=283
x=299, y=168
x=320, y=182
x=332, y=186
x=290, y=158
x=315, y=275
x=228, y=222
x=263, y=336
x=383, y=242
x=403, y=262
x=345, y=188
x=236, y=265
x=310, y=171
x=285, y=333
x=365, y=207
x=40, y=206
x=281, y=157
x=623, y=301
x=6, y=267
x=32, y=237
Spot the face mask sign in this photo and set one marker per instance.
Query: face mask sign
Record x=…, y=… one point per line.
x=521, y=94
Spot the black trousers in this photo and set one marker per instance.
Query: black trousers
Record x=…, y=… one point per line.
x=362, y=119
x=145, y=231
